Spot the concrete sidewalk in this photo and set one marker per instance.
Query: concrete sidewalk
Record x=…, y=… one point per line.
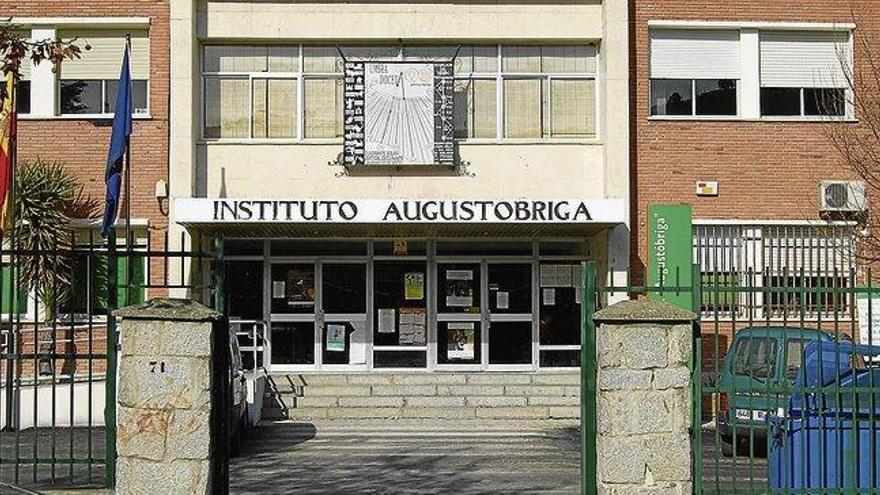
x=409, y=456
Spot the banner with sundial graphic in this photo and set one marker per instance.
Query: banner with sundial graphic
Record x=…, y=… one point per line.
x=398, y=113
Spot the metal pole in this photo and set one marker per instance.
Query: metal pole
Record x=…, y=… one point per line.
x=110, y=383
x=12, y=341
x=588, y=380
x=128, y=237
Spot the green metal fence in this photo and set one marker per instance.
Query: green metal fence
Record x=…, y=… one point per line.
x=786, y=377
x=58, y=354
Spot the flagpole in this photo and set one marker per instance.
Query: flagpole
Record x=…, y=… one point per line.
x=128, y=236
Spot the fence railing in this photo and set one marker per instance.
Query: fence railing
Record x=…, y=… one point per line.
x=58, y=360
x=785, y=401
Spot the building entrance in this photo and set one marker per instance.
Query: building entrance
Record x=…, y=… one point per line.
x=348, y=306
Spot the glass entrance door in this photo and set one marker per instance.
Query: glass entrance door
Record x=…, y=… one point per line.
x=343, y=318
x=459, y=315
x=510, y=315
x=293, y=323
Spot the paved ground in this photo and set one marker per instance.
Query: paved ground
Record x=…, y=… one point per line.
x=743, y=474
x=383, y=456
x=46, y=444
x=409, y=457
x=445, y=457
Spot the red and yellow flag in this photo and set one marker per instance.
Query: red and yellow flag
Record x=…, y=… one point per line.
x=7, y=144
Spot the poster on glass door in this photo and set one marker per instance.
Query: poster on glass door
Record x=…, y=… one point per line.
x=460, y=341
x=459, y=288
x=336, y=338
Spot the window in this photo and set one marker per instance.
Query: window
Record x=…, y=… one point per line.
x=261, y=92
x=93, y=272
x=803, y=74
x=98, y=96
x=694, y=72
x=756, y=358
x=23, y=97
x=784, y=271
x=721, y=295
x=803, y=102
x=794, y=349
x=88, y=86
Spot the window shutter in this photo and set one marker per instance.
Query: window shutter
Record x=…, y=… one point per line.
x=104, y=60
x=695, y=54
x=800, y=59
x=21, y=294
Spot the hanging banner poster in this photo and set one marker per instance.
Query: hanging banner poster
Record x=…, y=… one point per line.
x=460, y=341
x=414, y=286
x=670, y=252
x=460, y=288
x=336, y=338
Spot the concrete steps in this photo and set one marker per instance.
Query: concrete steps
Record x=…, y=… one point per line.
x=423, y=396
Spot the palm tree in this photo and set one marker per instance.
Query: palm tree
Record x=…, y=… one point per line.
x=44, y=195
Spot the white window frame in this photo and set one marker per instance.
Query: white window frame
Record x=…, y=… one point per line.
x=749, y=84
x=498, y=75
x=45, y=84
x=693, y=115
x=104, y=100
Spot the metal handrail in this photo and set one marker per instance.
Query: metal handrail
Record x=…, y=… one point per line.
x=257, y=331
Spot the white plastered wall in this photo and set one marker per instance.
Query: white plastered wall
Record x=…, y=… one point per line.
x=590, y=169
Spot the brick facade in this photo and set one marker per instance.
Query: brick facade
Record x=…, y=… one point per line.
x=82, y=144
x=765, y=170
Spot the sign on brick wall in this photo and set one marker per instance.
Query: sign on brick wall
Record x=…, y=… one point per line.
x=670, y=252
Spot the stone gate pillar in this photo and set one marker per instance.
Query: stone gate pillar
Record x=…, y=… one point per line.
x=643, y=443
x=164, y=415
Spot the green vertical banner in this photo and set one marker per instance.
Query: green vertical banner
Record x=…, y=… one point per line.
x=670, y=252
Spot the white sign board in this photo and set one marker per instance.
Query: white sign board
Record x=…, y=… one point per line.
x=279, y=211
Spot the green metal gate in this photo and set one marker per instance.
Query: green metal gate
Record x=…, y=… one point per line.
x=786, y=375
x=58, y=358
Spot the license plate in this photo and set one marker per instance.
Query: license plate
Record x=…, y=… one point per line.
x=747, y=414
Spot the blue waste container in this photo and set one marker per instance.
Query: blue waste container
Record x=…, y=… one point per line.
x=830, y=435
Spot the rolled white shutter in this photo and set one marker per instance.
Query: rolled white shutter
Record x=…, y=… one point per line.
x=695, y=54
x=799, y=59
x=104, y=59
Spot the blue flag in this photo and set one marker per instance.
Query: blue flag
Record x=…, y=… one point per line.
x=118, y=144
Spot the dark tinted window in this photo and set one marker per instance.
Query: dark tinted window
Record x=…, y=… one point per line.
x=716, y=97
x=344, y=288
x=780, y=101
x=138, y=96
x=244, y=281
x=79, y=96
x=23, y=97
x=671, y=97
x=825, y=101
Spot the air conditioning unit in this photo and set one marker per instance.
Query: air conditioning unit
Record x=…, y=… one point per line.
x=842, y=196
